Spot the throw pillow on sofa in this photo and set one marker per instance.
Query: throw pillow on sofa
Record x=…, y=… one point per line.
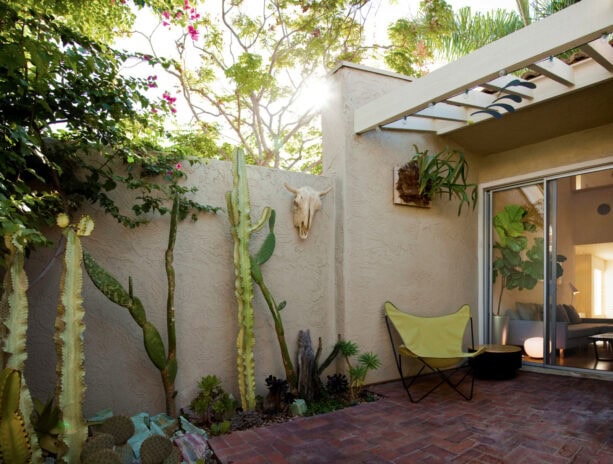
x=573, y=315
x=561, y=314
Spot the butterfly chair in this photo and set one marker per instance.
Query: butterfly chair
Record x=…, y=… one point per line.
x=435, y=343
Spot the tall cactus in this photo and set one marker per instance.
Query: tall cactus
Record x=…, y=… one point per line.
x=239, y=214
x=69, y=329
x=14, y=439
x=263, y=255
x=14, y=317
x=154, y=345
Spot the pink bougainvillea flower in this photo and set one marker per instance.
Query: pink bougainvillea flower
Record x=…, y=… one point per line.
x=173, y=110
x=154, y=110
x=192, y=32
x=166, y=15
x=178, y=166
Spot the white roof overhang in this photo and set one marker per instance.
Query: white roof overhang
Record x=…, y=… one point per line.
x=446, y=99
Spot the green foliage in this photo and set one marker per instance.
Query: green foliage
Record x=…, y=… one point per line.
x=518, y=266
x=439, y=33
x=72, y=127
x=444, y=173
x=48, y=425
x=213, y=405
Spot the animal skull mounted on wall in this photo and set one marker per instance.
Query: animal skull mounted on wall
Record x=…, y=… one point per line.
x=307, y=202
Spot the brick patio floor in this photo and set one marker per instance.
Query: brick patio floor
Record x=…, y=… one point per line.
x=534, y=418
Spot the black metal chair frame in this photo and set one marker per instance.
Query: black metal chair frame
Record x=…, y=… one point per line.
x=444, y=374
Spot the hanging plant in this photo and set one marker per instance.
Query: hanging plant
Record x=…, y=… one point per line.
x=426, y=176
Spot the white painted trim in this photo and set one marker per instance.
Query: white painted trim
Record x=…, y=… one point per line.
x=601, y=52
x=555, y=69
x=572, y=27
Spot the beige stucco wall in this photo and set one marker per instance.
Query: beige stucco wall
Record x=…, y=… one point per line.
x=119, y=374
x=423, y=260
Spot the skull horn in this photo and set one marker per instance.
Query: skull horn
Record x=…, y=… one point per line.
x=322, y=193
x=290, y=188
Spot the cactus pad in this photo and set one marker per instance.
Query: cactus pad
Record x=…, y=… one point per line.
x=156, y=449
x=98, y=442
x=105, y=456
x=120, y=427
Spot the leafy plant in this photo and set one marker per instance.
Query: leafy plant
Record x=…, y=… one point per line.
x=213, y=405
x=443, y=173
x=357, y=371
x=518, y=266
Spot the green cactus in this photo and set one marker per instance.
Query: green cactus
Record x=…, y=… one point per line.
x=69, y=329
x=104, y=456
x=14, y=317
x=239, y=214
x=14, y=440
x=120, y=427
x=263, y=255
x=154, y=345
x=157, y=449
x=98, y=442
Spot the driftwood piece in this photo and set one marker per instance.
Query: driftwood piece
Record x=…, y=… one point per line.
x=306, y=365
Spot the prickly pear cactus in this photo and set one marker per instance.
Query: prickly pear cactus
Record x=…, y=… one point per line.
x=157, y=449
x=120, y=427
x=69, y=328
x=239, y=214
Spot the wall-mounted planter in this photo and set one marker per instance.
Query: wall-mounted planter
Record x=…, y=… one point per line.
x=424, y=176
x=406, y=186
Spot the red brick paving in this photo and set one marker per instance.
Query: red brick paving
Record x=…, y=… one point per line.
x=534, y=418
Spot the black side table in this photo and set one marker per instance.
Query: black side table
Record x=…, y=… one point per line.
x=499, y=362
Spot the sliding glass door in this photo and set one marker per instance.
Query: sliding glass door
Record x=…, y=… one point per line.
x=549, y=268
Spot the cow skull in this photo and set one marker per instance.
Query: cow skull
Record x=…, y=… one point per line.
x=307, y=202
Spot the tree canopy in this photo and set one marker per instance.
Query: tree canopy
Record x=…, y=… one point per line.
x=439, y=33
x=69, y=119
x=243, y=69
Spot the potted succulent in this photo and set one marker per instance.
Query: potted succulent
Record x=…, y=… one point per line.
x=426, y=175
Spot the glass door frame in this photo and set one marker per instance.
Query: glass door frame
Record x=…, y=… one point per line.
x=486, y=232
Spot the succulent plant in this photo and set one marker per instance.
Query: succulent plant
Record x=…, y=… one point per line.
x=337, y=384
x=69, y=329
x=246, y=420
x=14, y=440
x=157, y=449
x=241, y=226
x=165, y=361
x=120, y=427
x=98, y=442
x=263, y=255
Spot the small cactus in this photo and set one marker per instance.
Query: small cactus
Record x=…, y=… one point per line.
x=157, y=449
x=120, y=427
x=96, y=443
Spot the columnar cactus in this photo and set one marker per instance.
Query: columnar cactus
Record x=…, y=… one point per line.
x=69, y=329
x=13, y=327
x=14, y=440
x=239, y=214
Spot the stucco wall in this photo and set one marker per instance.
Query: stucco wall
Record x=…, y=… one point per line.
x=423, y=260
x=119, y=374
x=588, y=147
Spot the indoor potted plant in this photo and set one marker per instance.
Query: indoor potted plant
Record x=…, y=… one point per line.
x=518, y=265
